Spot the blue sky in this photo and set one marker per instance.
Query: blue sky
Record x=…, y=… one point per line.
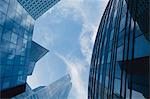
x=68, y=30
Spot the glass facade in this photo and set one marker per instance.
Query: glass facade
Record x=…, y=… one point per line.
x=57, y=90
x=36, y=8
x=16, y=30
x=120, y=59
x=15, y=42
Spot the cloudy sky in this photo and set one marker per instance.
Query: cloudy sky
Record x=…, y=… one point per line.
x=68, y=30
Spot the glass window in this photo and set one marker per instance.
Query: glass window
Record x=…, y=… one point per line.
x=137, y=30
x=142, y=47
x=106, y=82
x=12, y=4
x=11, y=56
x=19, y=8
x=6, y=35
x=1, y=29
x=22, y=59
x=120, y=53
x=118, y=71
x=102, y=62
x=11, y=12
x=2, y=18
x=105, y=41
x=16, y=28
x=12, y=48
x=18, y=18
x=8, y=69
x=122, y=24
x=24, y=43
x=121, y=38
x=137, y=95
x=109, y=57
x=117, y=86
x=5, y=85
x=3, y=6
x=9, y=23
x=4, y=46
x=112, y=34
x=124, y=10
x=20, y=42
x=101, y=73
x=14, y=38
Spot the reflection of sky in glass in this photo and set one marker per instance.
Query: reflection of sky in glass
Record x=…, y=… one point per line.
x=68, y=30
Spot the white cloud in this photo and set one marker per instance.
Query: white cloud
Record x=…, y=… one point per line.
x=90, y=16
x=82, y=9
x=79, y=9
x=75, y=69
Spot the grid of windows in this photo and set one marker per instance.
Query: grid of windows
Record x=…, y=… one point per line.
x=120, y=55
x=37, y=7
x=17, y=59
x=15, y=38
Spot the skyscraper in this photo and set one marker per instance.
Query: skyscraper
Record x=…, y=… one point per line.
x=36, y=8
x=120, y=58
x=57, y=90
x=17, y=50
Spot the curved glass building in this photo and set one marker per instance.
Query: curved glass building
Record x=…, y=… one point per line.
x=120, y=60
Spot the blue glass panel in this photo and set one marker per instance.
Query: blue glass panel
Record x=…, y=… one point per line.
x=1, y=29
x=142, y=47
x=121, y=38
x=2, y=18
x=14, y=38
x=137, y=30
x=136, y=95
x=119, y=53
x=8, y=70
x=117, y=86
x=18, y=18
x=122, y=24
x=11, y=11
x=6, y=83
x=12, y=48
x=117, y=71
x=4, y=46
x=109, y=57
x=9, y=23
x=6, y=35
x=3, y=6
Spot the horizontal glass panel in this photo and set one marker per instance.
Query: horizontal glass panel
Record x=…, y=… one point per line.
x=142, y=47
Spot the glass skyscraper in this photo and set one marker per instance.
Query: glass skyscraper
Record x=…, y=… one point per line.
x=36, y=8
x=57, y=90
x=18, y=53
x=120, y=59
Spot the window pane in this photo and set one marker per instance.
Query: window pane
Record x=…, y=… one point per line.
x=7, y=35
x=3, y=6
x=119, y=53
x=142, y=47
x=2, y=18
x=1, y=29
x=14, y=38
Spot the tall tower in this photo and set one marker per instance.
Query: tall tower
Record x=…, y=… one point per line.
x=57, y=90
x=120, y=59
x=17, y=50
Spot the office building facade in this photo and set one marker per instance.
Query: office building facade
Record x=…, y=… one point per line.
x=18, y=53
x=58, y=90
x=36, y=8
x=120, y=59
